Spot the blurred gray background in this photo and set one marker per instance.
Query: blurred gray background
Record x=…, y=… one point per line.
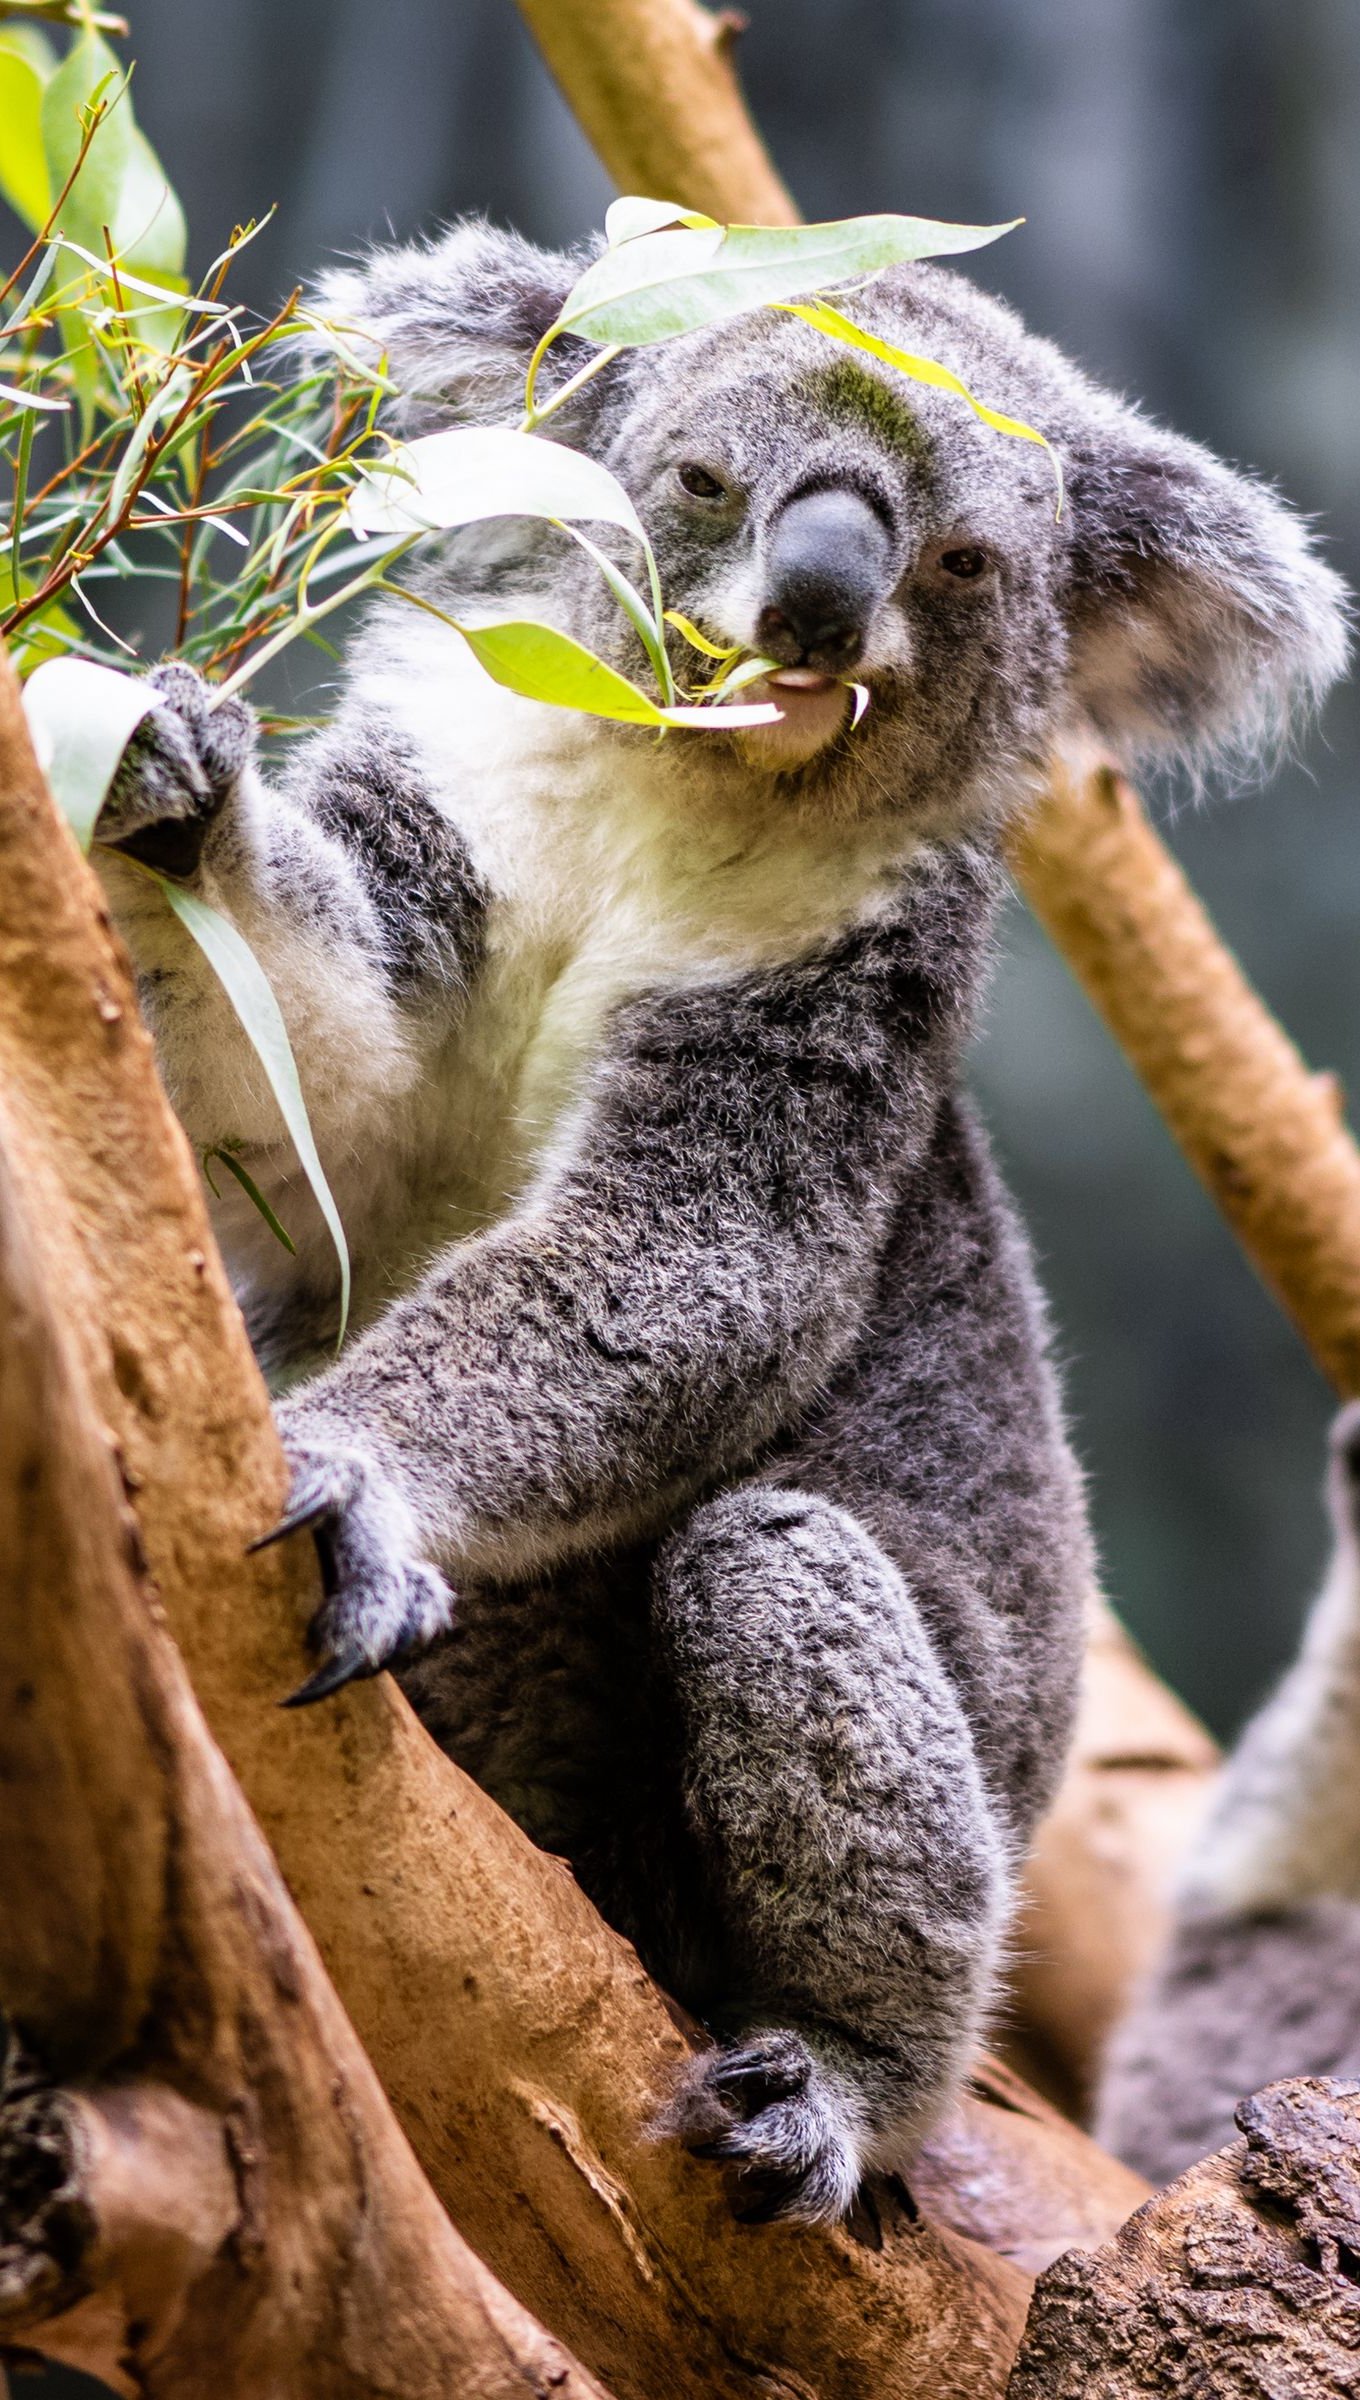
x=1191, y=180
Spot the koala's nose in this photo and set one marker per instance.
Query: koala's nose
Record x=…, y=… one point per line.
x=828, y=563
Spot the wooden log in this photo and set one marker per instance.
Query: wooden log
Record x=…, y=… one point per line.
x=202, y=2186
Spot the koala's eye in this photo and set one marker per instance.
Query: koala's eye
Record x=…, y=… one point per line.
x=966, y=563
x=699, y=483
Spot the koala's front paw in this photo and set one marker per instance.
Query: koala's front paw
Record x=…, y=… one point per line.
x=382, y=1600
x=772, y=2111
x=178, y=769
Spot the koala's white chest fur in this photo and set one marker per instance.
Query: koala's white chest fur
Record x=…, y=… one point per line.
x=610, y=875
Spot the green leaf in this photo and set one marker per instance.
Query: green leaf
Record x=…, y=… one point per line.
x=825, y=319
x=629, y=217
x=543, y=664
x=82, y=717
x=250, y=1187
x=121, y=184
x=23, y=163
x=661, y=284
x=248, y=988
x=645, y=625
x=479, y=471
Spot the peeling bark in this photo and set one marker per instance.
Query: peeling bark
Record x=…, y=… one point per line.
x=1241, y=2281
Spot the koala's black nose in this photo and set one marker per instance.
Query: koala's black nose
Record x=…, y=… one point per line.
x=828, y=563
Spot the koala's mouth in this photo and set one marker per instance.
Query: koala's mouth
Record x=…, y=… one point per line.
x=813, y=708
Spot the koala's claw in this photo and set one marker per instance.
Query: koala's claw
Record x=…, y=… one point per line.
x=382, y=1600
x=176, y=773
x=769, y=2110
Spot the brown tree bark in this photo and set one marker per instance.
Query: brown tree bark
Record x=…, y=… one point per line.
x=201, y=2183
x=1241, y=2281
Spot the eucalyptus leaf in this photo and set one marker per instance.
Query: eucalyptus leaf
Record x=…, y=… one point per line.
x=825, y=319
x=23, y=161
x=248, y=988
x=89, y=69
x=122, y=185
x=626, y=219
x=460, y=478
x=31, y=400
x=82, y=717
x=543, y=664
x=657, y=285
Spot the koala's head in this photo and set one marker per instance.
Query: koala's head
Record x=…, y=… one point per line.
x=823, y=509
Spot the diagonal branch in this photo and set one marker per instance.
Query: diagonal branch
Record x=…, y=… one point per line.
x=201, y=2183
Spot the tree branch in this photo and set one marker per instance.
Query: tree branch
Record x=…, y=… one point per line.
x=1243, y=2278
x=226, y=2198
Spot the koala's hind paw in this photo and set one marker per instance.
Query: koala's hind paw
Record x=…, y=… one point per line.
x=176, y=773
x=783, y=2122
x=382, y=1599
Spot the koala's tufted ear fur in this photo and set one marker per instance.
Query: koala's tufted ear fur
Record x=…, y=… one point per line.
x=1201, y=615
x=458, y=318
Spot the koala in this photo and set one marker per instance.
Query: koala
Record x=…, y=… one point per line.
x=696, y=1454
x=1260, y=1977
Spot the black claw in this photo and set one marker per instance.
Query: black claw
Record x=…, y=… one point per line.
x=761, y=2212
x=299, y=1519
x=718, y=2148
x=348, y=1666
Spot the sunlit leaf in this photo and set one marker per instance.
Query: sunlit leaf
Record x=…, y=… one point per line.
x=38, y=400
x=544, y=664
x=23, y=161
x=699, y=641
x=82, y=717
x=825, y=319
x=444, y=480
x=671, y=282
x=628, y=218
x=248, y=988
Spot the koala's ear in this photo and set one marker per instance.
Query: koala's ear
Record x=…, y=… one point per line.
x=457, y=318
x=1200, y=615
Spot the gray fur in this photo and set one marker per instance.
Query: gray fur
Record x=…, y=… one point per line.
x=699, y=1398
x=1260, y=1977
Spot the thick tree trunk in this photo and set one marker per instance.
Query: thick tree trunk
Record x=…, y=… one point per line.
x=201, y=2183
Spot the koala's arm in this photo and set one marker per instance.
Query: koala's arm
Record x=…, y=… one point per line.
x=671, y=1292
x=352, y=890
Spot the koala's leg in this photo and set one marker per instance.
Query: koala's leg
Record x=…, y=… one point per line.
x=854, y=1873
x=1284, y=1823
x=1261, y=1975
